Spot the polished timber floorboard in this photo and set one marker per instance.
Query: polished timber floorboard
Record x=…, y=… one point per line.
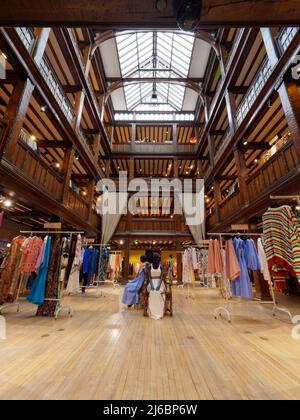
x=104, y=352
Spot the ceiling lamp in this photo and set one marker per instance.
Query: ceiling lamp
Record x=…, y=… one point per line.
x=7, y=203
x=188, y=14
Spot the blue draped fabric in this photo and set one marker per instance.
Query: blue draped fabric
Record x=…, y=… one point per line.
x=90, y=263
x=132, y=289
x=252, y=258
x=37, y=294
x=242, y=285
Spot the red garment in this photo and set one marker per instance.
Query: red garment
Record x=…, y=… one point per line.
x=30, y=250
x=233, y=269
x=218, y=257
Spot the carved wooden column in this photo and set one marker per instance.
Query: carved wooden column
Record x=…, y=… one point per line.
x=288, y=91
x=126, y=260
x=179, y=250
x=67, y=170
x=16, y=114
x=80, y=96
x=107, y=168
x=97, y=146
x=90, y=198
x=217, y=199
x=20, y=99
x=242, y=172
x=229, y=96
x=41, y=44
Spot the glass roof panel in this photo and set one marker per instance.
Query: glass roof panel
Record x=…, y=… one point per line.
x=155, y=55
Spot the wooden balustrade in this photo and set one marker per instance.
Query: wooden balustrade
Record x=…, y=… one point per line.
x=230, y=205
x=273, y=171
x=34, y=168
x=77, y=204
x=211, y=220
x=96, y=219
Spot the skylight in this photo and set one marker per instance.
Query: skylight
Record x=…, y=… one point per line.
x=155, y=55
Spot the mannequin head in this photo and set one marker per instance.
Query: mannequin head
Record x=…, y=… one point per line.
x=156, y=260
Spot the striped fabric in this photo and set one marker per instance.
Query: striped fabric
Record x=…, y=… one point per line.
x=282, y=239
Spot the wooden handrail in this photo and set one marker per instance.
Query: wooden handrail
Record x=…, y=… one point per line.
x=29, y=150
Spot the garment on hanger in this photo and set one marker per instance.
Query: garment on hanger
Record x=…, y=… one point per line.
x=10, y=271
x=282, y=239
x=103, y=263
x=215, y=262
x=31, y=249
x=233, y=269
x=90, y=263
x=242, y=285
x=48, y=307
x=37, y=293
x=73, y=285
x=263, y=261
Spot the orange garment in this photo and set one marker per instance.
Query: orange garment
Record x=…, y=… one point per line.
x=233, y=270
x=30, y=250
x=218, y=257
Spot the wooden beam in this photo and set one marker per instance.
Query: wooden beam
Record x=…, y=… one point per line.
x=226, y=178
x=217, y=132
x=144, y=14
x=11, y=78
x=71, y=88
x=238, y=90
x=53, y=144
x=91, y=131
x=256, y=146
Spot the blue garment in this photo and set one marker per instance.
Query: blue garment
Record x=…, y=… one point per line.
x=242, y=285
x=90, y=263
x=252, y=258
x=132, y=289
x=37, y=294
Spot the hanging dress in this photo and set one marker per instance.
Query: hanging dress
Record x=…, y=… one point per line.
x=74, y=278
x=242, y=285
x=37, y=293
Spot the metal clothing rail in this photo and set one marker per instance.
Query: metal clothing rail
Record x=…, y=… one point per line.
x=59, y=299
x=53, y=232
x=228, y=296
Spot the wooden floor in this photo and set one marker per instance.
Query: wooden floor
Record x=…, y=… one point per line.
x=105, y=352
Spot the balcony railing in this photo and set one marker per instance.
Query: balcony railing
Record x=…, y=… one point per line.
x=223, y=144
x=285, y=37
x=27, y=36
x=279, y=166
x=151, y=148
x=56, y=88
x=34, y=168
x=77, y=204
x=230, y=205
x=256, y=87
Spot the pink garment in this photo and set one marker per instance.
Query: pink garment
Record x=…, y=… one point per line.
x=211, y=258
x=41, y=255
x=218, y=257
x=30, y=250
x=1, y=218
x=233, y=269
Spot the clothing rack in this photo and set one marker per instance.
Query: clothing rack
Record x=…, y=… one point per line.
x=228, y=297
x=51, y=232
x=97, y=283
x=59, y=299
